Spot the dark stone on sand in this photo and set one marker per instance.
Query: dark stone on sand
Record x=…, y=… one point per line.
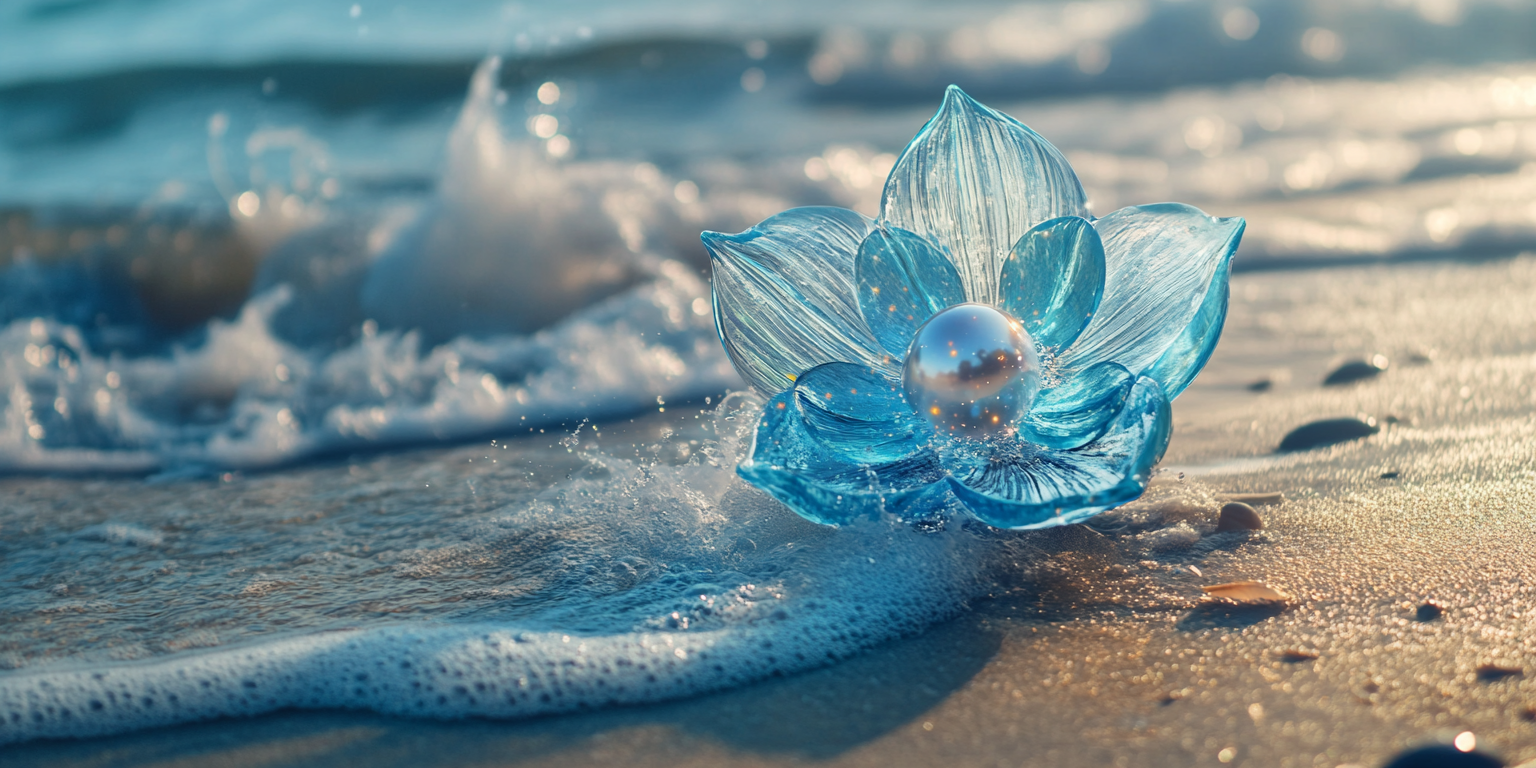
x=1489, y=673
x=1327, y=432
x=1389, y=475
x=1262, y=385
x=1298, y=656
x=1428, y=612
x=1237, y=516
x=1352, y=371
x=1441, y=756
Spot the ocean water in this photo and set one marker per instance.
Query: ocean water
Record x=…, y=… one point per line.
x=384, y=330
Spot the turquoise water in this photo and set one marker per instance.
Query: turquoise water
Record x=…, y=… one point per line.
x=250, y=249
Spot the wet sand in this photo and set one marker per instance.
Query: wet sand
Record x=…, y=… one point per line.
x=1107, y=653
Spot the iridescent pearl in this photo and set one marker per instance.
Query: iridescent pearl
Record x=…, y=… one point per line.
x=971, y=369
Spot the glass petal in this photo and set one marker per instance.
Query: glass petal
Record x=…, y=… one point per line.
x=974, y=181
x=1182, y=362
x=1080, y=410
x=1017, y=485
x=1161, y=260
x=784, y=295
x=1053, y=279
x=816, y=480
x=857, y=411
x=903, y=280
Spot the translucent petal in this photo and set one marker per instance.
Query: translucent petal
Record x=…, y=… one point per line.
x=784, y=295
x=974, y=181
x=1080, y=410
x=903, y=280
x=1182, y=362
x=1016, y=485
x=857, y=411
x=1053, y=279
x=1161, y=261
x=816, y=480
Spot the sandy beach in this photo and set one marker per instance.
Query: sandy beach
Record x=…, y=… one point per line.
x=1101, y=650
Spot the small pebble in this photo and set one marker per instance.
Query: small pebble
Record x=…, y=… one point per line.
x=1262, y=385
x=1296, y=656
x=1442, y=756
x=1327, y=432
x=1237, y=516
x=1356, y=370
x=1489, y=673
x=1428, y=612
x=1246, y=593
x=1389, y=475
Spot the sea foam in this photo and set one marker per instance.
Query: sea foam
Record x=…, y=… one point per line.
x=521, y=295
x=729, y=587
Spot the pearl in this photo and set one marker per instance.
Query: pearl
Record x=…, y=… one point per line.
x=971, y=369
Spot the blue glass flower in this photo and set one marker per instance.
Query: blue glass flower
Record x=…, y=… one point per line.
x=985, y=343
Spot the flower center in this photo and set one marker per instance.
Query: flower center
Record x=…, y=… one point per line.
x=971, y=369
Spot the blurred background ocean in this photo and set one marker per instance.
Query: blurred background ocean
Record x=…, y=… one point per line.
x=239, y=234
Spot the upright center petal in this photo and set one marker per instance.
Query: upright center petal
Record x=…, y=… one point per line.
x=972, y=369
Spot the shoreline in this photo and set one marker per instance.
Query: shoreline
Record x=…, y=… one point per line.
x=1112, y=657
